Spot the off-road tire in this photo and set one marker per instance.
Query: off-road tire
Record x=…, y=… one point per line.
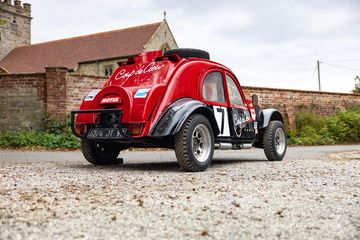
x=92, y=153
x=183, y=142
x=270, y=141
x=189, y=53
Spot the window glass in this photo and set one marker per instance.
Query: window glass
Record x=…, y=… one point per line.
x=108, y=70
x=234, y=94
x=213, y=88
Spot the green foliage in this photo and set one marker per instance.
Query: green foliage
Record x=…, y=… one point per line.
x=343, y=127
x=54, y=125
x=56, y=134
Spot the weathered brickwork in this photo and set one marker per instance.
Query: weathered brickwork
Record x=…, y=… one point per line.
x=289, y=102
x=26, y=97
x=15, y=26
x=23, y=101
x=79, y=86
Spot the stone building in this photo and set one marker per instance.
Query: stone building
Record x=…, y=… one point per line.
x=15, y=26
x=95, y=54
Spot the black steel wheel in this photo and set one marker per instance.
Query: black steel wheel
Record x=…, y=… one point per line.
x=100, y=152
x=194, y=144
x=275, y=141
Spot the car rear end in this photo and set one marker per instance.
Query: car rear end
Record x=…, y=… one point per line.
x=122, y=110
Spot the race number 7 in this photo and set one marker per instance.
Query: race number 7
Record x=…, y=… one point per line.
x=222, y=121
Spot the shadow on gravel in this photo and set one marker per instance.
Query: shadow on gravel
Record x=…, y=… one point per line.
x=158, y=166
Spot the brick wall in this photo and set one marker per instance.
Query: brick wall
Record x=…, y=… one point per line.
x=289, y=102
x=22, y=101
x=26, y=97
x=79, y=86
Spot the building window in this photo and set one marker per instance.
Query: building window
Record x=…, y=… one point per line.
x=165, y=47
x=108, y=70
x=14, y=26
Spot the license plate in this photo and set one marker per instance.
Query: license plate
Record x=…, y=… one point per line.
x=107, y=133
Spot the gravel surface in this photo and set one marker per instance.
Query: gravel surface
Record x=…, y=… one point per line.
x=314, y=193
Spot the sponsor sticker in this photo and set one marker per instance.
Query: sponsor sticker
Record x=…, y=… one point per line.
x=110, y=100
x=91, y=95
x=141, y=93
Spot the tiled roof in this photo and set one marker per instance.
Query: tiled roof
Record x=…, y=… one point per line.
x=69, y=52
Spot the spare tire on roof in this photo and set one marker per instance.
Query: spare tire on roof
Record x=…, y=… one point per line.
x=189, y=53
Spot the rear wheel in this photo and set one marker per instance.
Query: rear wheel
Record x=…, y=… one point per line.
x=194, y=144
x=100, y=152
x=275, y=141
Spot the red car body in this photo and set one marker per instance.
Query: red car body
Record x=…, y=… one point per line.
x=149, y=98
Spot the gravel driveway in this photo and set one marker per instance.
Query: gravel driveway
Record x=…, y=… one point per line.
x=314, y=193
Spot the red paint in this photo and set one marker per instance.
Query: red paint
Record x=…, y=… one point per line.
x=166, y=82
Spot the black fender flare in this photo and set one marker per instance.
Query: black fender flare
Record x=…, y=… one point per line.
x=175, y=115
x=268, y=115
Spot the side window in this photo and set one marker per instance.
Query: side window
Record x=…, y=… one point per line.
x=213, y=88
x=234, y=94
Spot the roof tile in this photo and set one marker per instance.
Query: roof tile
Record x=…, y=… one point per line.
x=69, y=52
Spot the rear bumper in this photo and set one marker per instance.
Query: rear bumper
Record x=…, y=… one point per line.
x=121, y=129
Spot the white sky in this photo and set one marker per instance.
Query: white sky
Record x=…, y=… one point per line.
x=267, y=43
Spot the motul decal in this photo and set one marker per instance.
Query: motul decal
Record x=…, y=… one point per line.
x=151, y=67
x=110, y=100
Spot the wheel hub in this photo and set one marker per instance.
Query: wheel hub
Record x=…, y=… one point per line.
x=201, y=143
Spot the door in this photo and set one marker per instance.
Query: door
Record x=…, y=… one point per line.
x=241, y=123
x=213, y=93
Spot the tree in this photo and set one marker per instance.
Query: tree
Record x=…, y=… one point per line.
x=357, y=85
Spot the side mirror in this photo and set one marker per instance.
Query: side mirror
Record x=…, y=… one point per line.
x=255, y=99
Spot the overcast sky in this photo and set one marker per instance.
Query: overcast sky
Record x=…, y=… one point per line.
x=267, y=43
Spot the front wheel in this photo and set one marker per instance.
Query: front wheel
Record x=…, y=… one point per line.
x=194, y=144
x=275, y=141
x=100, y=152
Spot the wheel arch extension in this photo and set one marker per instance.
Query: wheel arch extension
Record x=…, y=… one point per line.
x=270, y=115
x=177, y=113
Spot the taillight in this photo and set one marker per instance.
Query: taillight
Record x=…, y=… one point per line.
x=80, y=129
x=135, y=128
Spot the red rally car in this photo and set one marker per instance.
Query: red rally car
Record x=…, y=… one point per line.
x=179, y=100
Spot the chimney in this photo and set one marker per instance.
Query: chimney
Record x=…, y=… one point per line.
x=27, y=7
x=17, y=3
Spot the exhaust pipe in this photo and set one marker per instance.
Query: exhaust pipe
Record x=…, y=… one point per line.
x=232, y=146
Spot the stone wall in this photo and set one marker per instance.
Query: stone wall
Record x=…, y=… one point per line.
x=98, y=67
x=23, y=101
x=25, y=98
x=15, y=26
x=162, y=37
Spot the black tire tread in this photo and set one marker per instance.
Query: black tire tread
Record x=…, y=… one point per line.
x=268, y=140
x=189, y=52
x=92, y=158
x=180, y=143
